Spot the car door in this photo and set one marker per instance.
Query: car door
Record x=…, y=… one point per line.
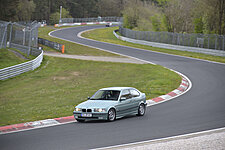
x=124, y=106
x=135, y=99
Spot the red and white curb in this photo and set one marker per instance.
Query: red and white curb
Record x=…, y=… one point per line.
x=36, y=124
x=84, y=23
x=183, y=88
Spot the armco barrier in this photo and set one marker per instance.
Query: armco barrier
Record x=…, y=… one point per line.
x=88, y=23
x=93, y=19
x=13, y=71
x=51, y=44
x=170, y=46
x=206, y=41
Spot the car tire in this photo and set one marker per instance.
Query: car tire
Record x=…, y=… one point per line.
x=111, y=115
x=141, y=110
x=80, y=120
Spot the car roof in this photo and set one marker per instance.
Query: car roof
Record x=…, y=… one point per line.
x=117, y=88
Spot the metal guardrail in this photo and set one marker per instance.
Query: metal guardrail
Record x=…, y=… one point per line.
x=88, y=23
x=96, y=19
x=174, y=47
x=15, y=70
x=207, y=41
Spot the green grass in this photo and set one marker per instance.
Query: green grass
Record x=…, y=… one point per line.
x=59, y=84
x=8, y=59
x=71, y=48
x=30, y=57
x=106, y=35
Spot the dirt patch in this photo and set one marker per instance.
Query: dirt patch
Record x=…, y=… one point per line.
x=60, y=78
x=71, y=75
x=75, y=73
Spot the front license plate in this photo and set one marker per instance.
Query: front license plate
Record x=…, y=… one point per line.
x=86, y=115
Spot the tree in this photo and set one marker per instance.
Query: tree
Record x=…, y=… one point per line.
x=179, y=15
x=82, y=8
x=110, y=7
x=212, y=13
x=41, y=10
x=54, y=17
x=8, y=9
x=144, y=15
x=24, y=10
x=16, y=10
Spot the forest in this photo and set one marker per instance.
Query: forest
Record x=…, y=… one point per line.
x=181, y=16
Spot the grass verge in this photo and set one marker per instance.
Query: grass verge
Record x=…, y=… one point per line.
x=106, y=35
x=8, y=59
x=59, y=84
x=71, y=48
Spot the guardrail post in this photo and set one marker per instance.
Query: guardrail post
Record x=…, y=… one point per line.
x=5, y=40
x=10, y=34
x=223, y=42
x=4, y=37
x=215, y=42
x=24, y=35
x=29, y=44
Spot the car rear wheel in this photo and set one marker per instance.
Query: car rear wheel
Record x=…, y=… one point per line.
x=111, y=115
x=141, y=110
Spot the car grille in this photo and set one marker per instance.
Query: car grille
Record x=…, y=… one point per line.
x=86, y=110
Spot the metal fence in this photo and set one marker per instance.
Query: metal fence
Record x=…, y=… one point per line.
x=3, y=33
x=51, y=44
x=20, y=36
x=209, y=41
x=97, y=19
x=24, y=37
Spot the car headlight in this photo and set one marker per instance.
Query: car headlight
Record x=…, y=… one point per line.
x=77, y=109
x=99, y=110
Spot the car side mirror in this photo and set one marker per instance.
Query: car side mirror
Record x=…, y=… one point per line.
x=88, y=98
x=122, y=98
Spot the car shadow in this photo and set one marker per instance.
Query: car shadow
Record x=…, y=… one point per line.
x=105, y=121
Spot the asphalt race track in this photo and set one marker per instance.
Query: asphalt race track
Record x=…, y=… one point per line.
x=202, y=108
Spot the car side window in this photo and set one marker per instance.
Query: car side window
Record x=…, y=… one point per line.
x=126, y=94
x=134, y=93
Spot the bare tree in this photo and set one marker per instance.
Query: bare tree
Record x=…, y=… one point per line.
x=179, y=15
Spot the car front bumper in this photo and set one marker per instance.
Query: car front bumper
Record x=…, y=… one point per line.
x=94, y=116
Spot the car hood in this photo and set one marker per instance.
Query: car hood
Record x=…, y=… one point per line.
x=96, y=104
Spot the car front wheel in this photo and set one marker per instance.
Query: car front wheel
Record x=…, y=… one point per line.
x=141, y=110
x=111, y=115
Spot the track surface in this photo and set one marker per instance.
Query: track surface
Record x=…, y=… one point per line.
x=202, y=108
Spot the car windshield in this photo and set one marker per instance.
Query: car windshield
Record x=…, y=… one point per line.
x=106, y=95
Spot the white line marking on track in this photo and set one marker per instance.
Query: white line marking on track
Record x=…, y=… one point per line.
x=96, y=47
x=185, y=136
x=79, y=35
x=38, y=125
